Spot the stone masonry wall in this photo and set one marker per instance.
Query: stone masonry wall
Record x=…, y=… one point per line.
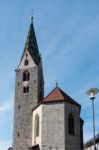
x=24, y=103
x=54, y=126
x=72, y=142
x=53, y=131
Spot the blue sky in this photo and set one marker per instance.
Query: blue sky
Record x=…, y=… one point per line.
x=68, y=38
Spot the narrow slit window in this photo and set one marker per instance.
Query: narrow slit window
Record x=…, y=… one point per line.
x=18, y=134
x=37, y=126
x=18, y=107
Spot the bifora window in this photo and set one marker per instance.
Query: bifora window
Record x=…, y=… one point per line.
x=26, y=89
x=26, y=75
x=71, y=124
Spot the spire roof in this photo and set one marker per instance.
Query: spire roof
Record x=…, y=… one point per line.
x=31, y=43
x=58, y=95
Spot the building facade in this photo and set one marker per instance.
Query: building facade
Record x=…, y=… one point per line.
x=42, y=123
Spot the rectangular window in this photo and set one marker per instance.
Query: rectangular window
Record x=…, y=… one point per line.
x=26, y=62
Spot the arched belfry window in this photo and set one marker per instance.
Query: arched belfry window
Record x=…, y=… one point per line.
x=26, y=75
x=71, y=124
x=37, y=125
x=26, y=89
x=26, y=62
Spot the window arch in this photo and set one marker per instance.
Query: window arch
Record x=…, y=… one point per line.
x=26, y=76
x=37, y=126
x=71, y=124
x=26, y=62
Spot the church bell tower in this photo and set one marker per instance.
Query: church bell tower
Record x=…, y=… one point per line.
x=29, y=91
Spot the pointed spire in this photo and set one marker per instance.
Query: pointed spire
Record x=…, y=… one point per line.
x=31, y=43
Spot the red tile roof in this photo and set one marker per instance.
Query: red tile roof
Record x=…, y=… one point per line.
x=58, y=95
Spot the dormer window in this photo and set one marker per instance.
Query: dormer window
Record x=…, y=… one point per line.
x=26, y=62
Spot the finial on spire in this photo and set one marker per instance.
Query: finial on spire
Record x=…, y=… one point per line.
x=31, y=15
x=56, y=83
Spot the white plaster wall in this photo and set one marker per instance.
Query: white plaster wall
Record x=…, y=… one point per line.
x=97, y=146
x=31, y=62
x=92, y=147
x=89, y=148
x=35, y=112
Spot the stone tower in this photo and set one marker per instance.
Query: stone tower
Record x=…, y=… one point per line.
x=29, y=91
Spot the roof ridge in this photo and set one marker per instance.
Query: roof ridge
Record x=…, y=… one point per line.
x=59, y=95
x=68, y=97
x=50, y=92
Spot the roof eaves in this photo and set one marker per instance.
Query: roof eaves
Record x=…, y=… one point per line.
x=69, y=98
